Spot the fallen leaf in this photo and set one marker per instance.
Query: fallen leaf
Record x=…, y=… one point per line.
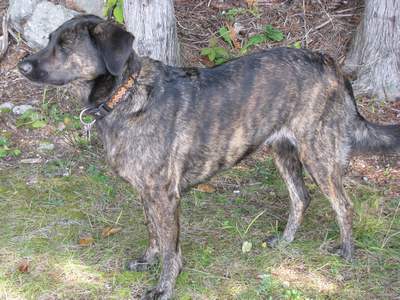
x=205, y=188
x=246, y=246
x=86, y=240
x=107, y=231
x=23, y=266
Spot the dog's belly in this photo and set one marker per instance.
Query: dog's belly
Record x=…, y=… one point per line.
x=222, y=152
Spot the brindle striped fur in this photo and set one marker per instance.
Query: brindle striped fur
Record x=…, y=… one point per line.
x=179, y=126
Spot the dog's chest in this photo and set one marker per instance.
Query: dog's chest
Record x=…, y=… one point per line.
x=135, y=150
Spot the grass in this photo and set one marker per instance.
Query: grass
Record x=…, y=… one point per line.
x=46, y=210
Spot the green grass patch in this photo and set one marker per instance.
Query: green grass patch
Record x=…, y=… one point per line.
x=43, y=222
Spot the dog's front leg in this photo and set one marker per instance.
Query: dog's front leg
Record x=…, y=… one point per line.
x=163, y=213
x=150, y=256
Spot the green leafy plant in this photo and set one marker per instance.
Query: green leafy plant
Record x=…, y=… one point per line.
x=5, y=149
x=225, y=35
x=215, y=54
x=273, y=34
x=296, y=45
x=269, y=34
x=265, y=285
x=31, y=119
x=232, y=13
x=293, y=294
x=117, y=7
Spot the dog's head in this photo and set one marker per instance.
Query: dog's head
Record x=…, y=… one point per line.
x=82, y=48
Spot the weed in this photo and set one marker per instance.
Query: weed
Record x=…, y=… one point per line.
x=265, y=286
x=31, y=119
x=293, y=294
x=215, y=54
x=116, y=8
x=5, y=149
x=232, y=13
x=225, y=35
x=269, y=34
x=219, y=55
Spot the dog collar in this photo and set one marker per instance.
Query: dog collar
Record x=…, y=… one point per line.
x=104, y=108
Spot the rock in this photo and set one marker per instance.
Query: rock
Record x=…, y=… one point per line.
x=20, y=109
x=6, y=106
x=94, y=7
x=46, y=18
x=20, y=11
x=45, y=146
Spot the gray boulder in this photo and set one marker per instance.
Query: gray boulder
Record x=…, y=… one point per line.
x=21, y=109
x=6, y=106
x=46, y=18
x=20, y=10
x=94, y=7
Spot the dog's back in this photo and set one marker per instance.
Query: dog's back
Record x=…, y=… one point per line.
x=220, y=115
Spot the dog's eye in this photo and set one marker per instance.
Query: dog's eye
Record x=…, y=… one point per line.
x=65, y=42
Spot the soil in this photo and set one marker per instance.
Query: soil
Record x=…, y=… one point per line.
x=319, y=25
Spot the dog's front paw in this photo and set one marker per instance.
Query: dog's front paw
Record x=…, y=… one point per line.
x=157, y=293
x=344, y=251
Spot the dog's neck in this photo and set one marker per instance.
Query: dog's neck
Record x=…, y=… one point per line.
x=111, y=88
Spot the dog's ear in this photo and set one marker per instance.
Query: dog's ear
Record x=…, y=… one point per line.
x=114, y=45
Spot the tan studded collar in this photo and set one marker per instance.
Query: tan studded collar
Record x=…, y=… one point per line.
x=104, y=108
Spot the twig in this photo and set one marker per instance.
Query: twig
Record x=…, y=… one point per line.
x=322, y=25
x=4, y=38
x=305, y=23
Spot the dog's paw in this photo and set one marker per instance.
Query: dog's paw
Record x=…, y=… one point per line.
x=157, y=293
x=139, y=265
x=272, y=241
x=346, y=252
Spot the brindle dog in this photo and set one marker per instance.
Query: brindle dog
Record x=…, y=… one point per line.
x=177, y=127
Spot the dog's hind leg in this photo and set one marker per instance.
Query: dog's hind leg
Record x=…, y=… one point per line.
x=327, y=170
x=163, y=213
x=150, y=256
x=291, y=170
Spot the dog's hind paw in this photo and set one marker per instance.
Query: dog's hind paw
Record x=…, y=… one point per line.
x=274, y=241
x=140, y=265
x=157, y=293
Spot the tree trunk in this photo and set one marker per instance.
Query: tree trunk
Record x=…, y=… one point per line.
x=374, y=57
x=152, y=22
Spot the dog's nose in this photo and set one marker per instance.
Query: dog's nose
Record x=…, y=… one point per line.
x=25, y=67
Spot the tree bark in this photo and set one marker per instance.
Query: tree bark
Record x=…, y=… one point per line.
x=374, y=57
x=152, y=22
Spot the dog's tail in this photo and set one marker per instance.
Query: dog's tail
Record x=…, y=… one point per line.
x=370, y=138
